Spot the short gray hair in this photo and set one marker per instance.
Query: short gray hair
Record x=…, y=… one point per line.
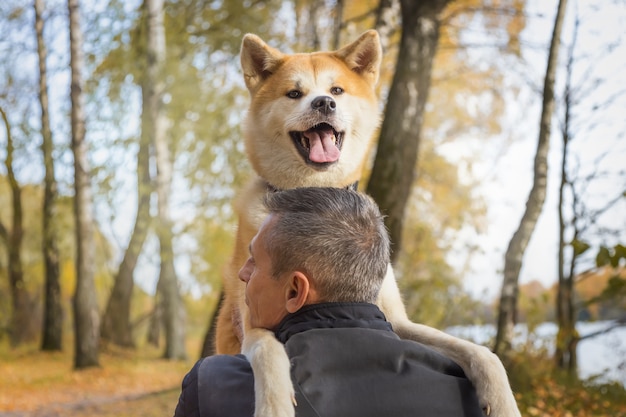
x=337, y=236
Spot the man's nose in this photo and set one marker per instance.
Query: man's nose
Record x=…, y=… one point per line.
x=244, y=272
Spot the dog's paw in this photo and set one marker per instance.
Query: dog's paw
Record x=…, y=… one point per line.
x=273, y=390
x=492, y=385
x=274, y=407
x=275, y=396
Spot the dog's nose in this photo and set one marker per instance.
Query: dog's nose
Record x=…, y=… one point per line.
x=324, y=104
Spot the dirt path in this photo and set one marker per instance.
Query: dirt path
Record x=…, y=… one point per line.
x=153, y=404
x=128, y=383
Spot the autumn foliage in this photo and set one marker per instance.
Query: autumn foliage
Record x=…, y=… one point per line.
x=542, y=391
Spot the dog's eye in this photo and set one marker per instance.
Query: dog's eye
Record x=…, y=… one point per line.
x=294, y=94
x=335, y=91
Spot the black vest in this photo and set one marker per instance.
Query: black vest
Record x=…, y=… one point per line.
x=346, y=362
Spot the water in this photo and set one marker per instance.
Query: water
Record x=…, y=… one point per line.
x=603, y=356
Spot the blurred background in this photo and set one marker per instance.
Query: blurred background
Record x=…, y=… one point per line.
x=121, y=150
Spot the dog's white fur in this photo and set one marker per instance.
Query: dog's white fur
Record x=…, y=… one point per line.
x=274, y=157
x=274, y=393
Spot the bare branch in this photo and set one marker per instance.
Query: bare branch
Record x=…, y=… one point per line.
x=616, y=324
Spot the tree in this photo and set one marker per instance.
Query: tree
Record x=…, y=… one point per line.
x=387, y=16
x=517, y=246
x=393, y=172
x=580, y=217
x=116, y=322
x=20, y=324
x=203, y=129
x=167, y=287
x=567, y=337
x=52, y=332
x=86, y=314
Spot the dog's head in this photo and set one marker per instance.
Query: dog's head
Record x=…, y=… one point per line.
x=312, y=116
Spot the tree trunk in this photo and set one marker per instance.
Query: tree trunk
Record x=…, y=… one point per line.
x=154, y=325
x=173, y=312
x=567, y=337
x=86, y=315
x=387, y=23
x=52, y=332
x=314, y=39
x=21, y=324
x=116, y=323
x=393, y=173
x=565, y=311
x=517, y=246
x=337, y=24
x=561, y=295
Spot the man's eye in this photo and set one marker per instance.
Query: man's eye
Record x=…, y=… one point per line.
x=294, y=94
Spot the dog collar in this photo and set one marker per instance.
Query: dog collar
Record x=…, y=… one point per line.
x=270, y=188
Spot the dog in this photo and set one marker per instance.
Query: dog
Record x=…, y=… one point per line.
x=311, y=122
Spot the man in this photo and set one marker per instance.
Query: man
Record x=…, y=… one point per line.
x=315, y=269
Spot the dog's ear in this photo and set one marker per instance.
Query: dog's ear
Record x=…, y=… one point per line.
x=258, y=60
x=364, y=55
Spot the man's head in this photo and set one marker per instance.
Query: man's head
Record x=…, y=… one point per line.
x=317, y=245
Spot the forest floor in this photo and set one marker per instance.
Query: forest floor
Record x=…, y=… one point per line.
x=127, y=383
x=132, y=383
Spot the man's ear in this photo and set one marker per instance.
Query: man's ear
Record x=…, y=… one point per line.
x=298, y=291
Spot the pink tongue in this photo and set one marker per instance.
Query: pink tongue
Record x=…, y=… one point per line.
x=322, y=148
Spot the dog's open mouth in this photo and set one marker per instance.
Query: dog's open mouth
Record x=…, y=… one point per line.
x=320, y=145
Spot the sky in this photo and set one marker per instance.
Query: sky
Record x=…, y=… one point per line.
x=507, y=176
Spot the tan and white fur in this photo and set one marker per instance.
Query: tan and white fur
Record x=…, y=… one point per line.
x=311, y=122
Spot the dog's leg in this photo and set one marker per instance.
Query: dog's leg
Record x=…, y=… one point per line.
x=229, y=326
x=481, y=366
x=273, y=389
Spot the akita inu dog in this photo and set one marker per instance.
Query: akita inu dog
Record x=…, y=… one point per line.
x=311, y=123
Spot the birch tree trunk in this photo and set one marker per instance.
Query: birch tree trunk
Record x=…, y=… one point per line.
x=20, y=325
x=393, y=173
x=52, y=332
x=167, y=288
x=517, y=246
x=116, y=323
x=86, y=315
